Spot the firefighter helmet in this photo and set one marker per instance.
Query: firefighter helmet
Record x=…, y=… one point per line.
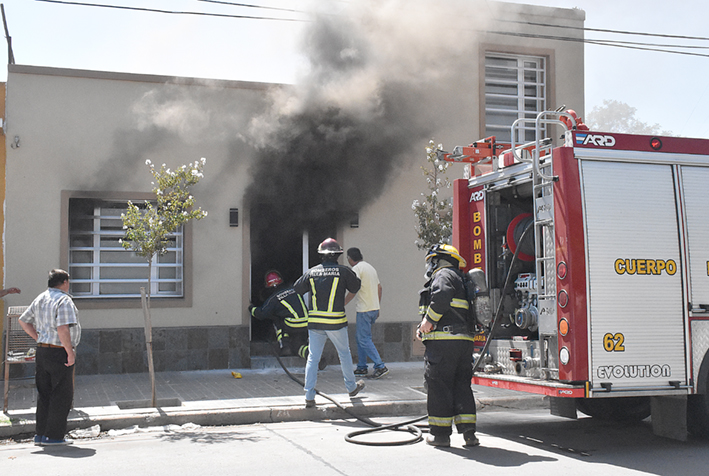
x=448, y=253
x=273, y=278
x=330, y=247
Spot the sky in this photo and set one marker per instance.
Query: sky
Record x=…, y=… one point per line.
x=671, y=90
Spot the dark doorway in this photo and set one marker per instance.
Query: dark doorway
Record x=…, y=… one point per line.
x=278, y=245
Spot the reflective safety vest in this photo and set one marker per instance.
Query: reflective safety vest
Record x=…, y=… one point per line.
x=327, y=284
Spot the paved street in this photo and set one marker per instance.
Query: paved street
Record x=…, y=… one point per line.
x=529, y=442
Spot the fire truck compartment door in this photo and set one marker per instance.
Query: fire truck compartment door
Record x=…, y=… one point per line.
x=696, y=203
x=635, y=311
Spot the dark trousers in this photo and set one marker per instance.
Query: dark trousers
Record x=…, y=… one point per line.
x=448, y=373
x=55, y=389
x=293, y=340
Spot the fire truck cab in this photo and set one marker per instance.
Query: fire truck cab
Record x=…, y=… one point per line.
x=596, y=257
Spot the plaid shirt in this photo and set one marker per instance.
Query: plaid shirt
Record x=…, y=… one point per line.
x=49, y=310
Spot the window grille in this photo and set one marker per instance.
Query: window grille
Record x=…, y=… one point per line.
x=515, y=87
x=101, y=268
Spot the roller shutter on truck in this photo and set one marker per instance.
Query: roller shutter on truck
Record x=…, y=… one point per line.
x=696, y=202
x=696, y=212
x=635, y=279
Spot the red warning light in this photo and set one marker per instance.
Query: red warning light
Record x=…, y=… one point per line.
x=656, y=143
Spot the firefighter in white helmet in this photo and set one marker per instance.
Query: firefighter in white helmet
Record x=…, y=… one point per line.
x=449, y=348
x=327, y=284
x=289, y=314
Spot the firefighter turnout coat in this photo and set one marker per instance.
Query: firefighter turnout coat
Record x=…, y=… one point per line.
x=327, y=284
x=284, y=304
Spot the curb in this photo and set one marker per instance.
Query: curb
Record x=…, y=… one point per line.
x=111, y=418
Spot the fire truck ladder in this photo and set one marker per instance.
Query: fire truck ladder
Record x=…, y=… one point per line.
x=544, y=248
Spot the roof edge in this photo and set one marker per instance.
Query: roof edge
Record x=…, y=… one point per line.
x=143, y=78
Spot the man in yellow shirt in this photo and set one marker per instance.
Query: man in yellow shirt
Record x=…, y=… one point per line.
x=367, y=299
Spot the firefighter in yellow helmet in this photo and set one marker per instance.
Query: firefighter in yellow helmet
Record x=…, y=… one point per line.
x=449, y=348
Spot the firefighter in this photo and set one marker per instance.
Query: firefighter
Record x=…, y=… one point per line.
x=289, y=314
x=327, y=284
x=448, y=339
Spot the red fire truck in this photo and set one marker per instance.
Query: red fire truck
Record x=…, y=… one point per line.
x=596, y=259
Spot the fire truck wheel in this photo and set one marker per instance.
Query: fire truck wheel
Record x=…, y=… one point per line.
x=615, y=409
x=698, y=415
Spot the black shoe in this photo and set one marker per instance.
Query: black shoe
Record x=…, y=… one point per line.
x=379, y=373
x=49, y=442
x=440, y=440
x=309, y=403
x=470, y=439
x=361, y=372
x=358, y=388
x=323, y=363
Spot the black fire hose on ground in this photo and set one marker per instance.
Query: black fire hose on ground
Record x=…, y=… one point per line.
x=406, y=426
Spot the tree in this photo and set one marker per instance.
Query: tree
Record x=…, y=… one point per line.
x=148, y=227
x=619, y=117
x=434, y=214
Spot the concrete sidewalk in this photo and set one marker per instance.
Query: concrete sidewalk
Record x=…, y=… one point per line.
x=215, y=397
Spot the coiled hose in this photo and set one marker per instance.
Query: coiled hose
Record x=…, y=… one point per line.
x=405, y=426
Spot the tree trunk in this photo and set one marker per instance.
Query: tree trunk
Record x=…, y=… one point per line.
x=145, y=301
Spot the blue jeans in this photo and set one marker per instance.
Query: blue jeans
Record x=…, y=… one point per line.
x=365, y=346
x=318, y=338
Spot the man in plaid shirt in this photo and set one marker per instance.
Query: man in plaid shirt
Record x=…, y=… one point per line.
x=52, y=321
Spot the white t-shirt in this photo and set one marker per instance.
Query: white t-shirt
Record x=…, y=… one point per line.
x=368, y=295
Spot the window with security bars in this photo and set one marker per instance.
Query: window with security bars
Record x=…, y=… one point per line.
x=99, y=265
x=515, y=88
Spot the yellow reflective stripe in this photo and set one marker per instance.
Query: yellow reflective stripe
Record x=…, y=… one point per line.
x=440, y=421
x=438, y=335
x=433, y=314
x=314, y=294
x=326, y=314
x=333, y=289
x=290, y=309
x=297, y=324
x=459, y=303
x=468, y=418
x=326, y=320
x=305, y=309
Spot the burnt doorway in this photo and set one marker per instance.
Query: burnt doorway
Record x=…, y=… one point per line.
x=279, y=243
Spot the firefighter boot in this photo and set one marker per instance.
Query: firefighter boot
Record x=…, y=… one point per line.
x=443, y=441
x=470, y=439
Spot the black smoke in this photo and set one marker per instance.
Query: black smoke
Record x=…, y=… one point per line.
x=329, y=145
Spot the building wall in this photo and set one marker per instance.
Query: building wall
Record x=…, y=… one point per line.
x=92, y=132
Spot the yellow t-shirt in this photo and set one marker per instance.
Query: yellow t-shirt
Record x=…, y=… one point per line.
x=368, y=295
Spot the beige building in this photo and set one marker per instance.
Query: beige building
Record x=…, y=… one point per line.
x=77, y=142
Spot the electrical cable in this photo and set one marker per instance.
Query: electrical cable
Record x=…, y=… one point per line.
x=604, y=30
x=613, y=43
x=246, y=5
x=173, y=12
x=406, y=426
